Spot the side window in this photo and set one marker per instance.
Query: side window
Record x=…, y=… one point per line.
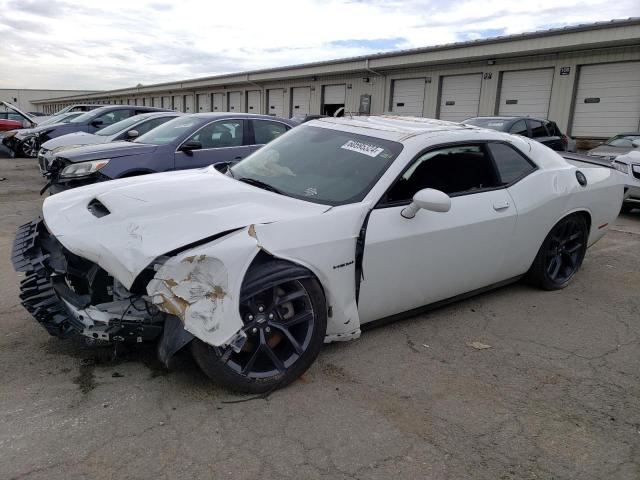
x=519, y=128
x=452, y=170
x=264, y=131
x=537, y=129
x=113, y=117
x=221, y=134
x=151, y=124
x=511, y=165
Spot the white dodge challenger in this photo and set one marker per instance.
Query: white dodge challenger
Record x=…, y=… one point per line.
x=337, y=224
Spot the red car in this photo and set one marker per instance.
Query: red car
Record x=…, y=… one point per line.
x=6, y=125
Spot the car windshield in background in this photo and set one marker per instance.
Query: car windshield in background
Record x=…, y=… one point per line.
x=320, y=165
x=491, y=123
x=120, y=126
x=169, y=132
x=63, y=118
x=622, y=141
x=85, y=117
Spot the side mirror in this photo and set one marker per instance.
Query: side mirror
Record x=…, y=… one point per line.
x=131, y=134
x=187, y=147
x=97, y=123
x=427, y=199
x=635, y=143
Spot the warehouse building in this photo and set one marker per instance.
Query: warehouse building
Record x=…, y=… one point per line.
x=23, y=98
x=586, y=78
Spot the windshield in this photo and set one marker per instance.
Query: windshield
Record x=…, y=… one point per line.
x=320, y=165
x=169, y=132
x=86, y=116
x=120, y=126
x=622, y=141
x=492, y=123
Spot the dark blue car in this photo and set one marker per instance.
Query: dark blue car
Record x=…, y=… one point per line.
x=189, y=141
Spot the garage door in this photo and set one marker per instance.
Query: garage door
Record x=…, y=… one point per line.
x=300, y=100
x=218, y=100
x=203, y=102
x=334, y=94
x=178, y=103
x=407, y=96
x=156, y=102
x=188, y=104
x=234, y=101
x=460, y=97
x=275, y=99
x=253, y=101
x=607, y=100
x=526, y=92
x=166, y=102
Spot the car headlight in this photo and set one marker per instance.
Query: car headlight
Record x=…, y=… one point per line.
x=621, y=167
x=83, y=169
x=62, y=148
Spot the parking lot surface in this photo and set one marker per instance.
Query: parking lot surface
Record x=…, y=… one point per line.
x=513, y=384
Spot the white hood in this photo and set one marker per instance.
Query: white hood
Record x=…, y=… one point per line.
x=155, y=214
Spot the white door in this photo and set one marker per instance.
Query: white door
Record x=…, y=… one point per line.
x=156, y=101
x=460, y=97
x=253, y=101
x=166, y=102
x=526, y=92
x=434, y=256
x=204, y=104
x=275, y=99
x=188, y=104
x=408, y=97
x=218, y=102
x=607, y=100
x=234, y=101
x=178, y=103
x=300, y=100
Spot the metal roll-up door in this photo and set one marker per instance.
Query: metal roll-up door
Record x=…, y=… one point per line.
x=178, y=103
x=253, y=101
x=300, y=100
x=334, y=94
x=607, y=100
x=460, y=97
x=155, y=102
x=275, y=99
x=407, y=97
x=188, y=104
x=166, y=102
x=234, y=101
x=218, y=102
x=526, y=92
x=204, y=104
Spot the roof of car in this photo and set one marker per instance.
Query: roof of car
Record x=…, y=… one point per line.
x=408, y=126
x=507, y=118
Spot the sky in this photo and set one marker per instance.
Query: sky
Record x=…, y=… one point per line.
x=76, y=44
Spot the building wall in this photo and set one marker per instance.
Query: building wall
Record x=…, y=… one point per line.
x=22, y=98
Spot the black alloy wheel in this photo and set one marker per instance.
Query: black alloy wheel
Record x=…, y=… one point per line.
x=285, y=326
x=561, y=254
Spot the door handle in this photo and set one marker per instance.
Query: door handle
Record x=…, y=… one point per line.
x=497, y=206
x=238, y=158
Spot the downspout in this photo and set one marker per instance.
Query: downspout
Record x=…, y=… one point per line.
x=366, y=67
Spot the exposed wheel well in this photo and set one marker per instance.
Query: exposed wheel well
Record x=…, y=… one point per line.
x=587, y=218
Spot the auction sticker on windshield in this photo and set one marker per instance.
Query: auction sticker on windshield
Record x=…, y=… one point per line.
x=364, y=148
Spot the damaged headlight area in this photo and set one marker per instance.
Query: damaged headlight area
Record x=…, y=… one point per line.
x=83, y=169
x=621, y=167
x=68, y=294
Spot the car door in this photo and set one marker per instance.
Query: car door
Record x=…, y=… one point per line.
x=433, y=256
x=540, y=133
x=221, y=141
x=263, y=131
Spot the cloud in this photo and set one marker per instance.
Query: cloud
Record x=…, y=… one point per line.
x=77, y=44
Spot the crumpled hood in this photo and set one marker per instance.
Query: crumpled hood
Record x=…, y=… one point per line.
x=608, y=151
x=75, y=138
x=155, y=214
x=108, y=150
x=25, y=132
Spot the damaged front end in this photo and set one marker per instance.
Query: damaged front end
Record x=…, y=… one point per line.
x=69, y=295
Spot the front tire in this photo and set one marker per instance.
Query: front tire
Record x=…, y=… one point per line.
x=29, y=147
x=561, y=254
x=285, y=324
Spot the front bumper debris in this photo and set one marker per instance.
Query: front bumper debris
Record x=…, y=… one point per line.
x=67, y=294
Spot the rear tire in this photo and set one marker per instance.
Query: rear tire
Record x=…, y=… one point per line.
x=285, y=325
x=626, y=208
x=561, y=254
